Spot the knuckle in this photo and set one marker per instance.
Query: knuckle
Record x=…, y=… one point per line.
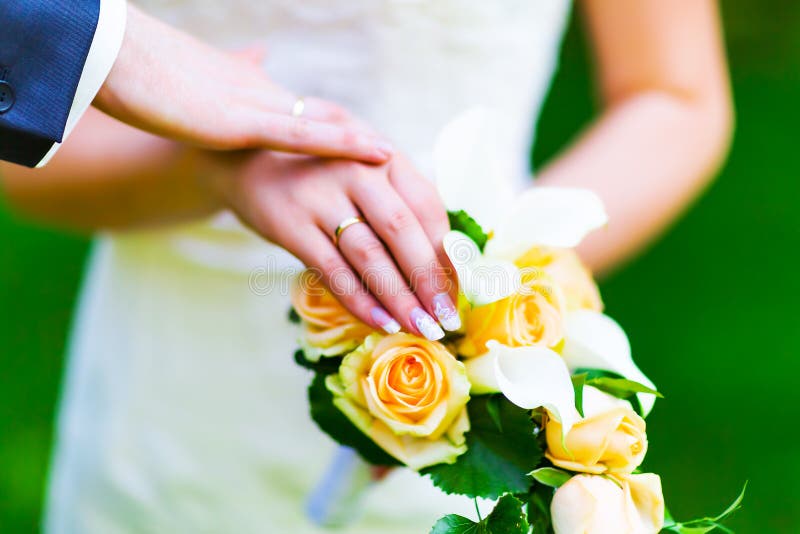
x=299, y=130
x=338, y=113
x=398, y=221
x=367, y=249
x=349, y=139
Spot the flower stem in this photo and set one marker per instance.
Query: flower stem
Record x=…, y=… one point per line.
x=477, y=510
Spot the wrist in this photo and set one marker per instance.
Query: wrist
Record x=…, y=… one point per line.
x=106, y=99
x=216, y=174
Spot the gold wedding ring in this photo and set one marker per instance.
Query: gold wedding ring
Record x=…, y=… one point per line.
x=344, y=225
x=299, y=107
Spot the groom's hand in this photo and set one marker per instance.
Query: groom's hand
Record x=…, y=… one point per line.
x=168, y=83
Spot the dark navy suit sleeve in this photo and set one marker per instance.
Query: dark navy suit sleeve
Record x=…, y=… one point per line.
x=43, y=49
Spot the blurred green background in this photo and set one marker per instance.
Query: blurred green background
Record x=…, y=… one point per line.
x=712, y=309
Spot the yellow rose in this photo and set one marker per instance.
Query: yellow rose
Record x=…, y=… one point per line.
x=328, y=328
x=568, y=272
x=533, y=316
x=613, y=441
x=626, y=504
x=408, y=394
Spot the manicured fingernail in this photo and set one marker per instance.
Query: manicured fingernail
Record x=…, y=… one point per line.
x=385, y=321
x=426, y=325
x=446, y=312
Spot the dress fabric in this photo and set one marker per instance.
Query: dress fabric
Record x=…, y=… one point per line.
x=183, y=410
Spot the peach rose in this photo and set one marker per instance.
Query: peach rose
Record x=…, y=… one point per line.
x=408, y=394
x=531, y=317
x=613, y=441
x=328, y=328
x=568, y=272
x=624, y=504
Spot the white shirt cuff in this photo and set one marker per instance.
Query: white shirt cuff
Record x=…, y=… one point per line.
x=101, y=57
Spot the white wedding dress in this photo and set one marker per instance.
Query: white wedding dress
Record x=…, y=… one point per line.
x=183, y=410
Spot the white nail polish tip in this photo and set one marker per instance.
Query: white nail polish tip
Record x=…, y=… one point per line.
x=428, y=326
x=451, y=323
x=446, y=312
x=391, y=327
x=448, y=317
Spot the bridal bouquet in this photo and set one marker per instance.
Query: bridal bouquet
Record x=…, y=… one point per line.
x=536, y=403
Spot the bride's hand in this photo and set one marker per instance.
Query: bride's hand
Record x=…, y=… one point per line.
x=170, y=84
x=298, y=202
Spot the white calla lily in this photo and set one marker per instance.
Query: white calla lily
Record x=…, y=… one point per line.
x=594, y=340
x=530, y=377
x=482, y=280
x=546, y=216
x=467, y=171
x=466, y=159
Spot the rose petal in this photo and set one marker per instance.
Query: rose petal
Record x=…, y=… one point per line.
x=643, y=492
x=414, y=452
x=481, y=280
x=596, y=402
x=547, y=216
x=467, y=166
x=594, y=340
x=590, y=503
x=533, y=377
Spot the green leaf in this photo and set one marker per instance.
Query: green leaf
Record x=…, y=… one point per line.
x=456, y=524
x=668, y=519
x=294, y=317
x=550, y=476
x=621, y=387
x=539, y=501
x=461, y=221
x=617, y=385
x=735, y=505
x=506, y=518
x=498, y=457
x=591, y=373
x=325, y=365
x=578, y=382
x=705, y=524
x=493, y=408
x=334, y=423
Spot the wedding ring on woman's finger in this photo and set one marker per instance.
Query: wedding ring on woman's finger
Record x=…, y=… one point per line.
x=299, y=107
x=344, y=225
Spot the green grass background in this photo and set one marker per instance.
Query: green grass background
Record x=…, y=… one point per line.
x=711, y=310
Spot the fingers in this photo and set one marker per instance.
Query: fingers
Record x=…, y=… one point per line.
x=283, y=102
x=322, y=110
x=316, y=250
x=421, y=196
x=313, y=137
x=400, y=229
x=365, y=252
x=423, y=199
